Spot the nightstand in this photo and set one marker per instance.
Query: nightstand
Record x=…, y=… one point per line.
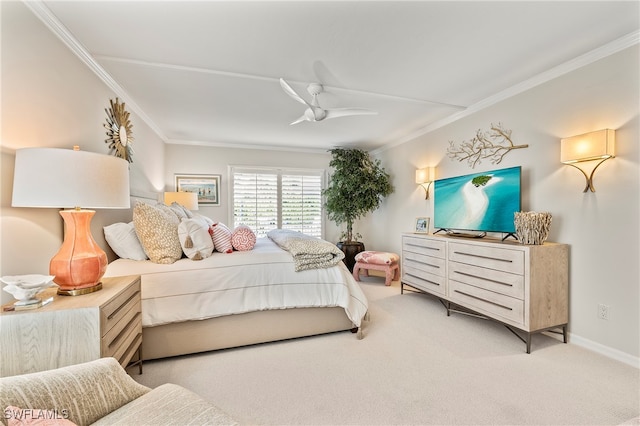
x=74, y=329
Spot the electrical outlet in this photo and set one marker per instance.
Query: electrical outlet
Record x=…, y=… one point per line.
x=603, y=311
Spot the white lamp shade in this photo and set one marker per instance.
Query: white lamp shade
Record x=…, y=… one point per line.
x=186, y=199
x=425, y=175
x=65, y=178
x=589, y=146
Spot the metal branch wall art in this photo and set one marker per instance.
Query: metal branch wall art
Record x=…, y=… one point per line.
x=119, y=133
x=493, y=144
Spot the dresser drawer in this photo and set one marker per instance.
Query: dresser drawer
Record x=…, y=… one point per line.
x=426, y=281
x=492, y=304
x=433, y=265
x=113, y=311
x=488, y=257
x=488, y=279
x=424, y=246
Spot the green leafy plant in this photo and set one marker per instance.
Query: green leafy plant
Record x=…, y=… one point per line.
x=356, y=187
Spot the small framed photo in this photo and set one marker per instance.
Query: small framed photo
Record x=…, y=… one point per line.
x=422, y=225
x=206, y=186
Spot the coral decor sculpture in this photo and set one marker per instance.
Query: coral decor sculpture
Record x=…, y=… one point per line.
x=494, y=144
x=532, y=227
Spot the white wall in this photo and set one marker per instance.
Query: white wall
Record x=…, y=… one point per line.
x=602, y=228
x=51, y=99
x=189, y=159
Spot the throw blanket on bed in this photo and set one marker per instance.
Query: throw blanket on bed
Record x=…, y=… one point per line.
x=308, y=252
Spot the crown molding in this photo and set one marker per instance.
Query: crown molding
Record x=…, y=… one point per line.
x=42, y=12
x=602, y=52
x=247, y=146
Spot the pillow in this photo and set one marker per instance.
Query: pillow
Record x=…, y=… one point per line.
x=36, y=417
x=377, y=257
x=243, y=238
x=124, y=242
x=195, y=240
x=157, y=231
x=176, y=216
x=197, y=215
x=221, y=238
x=181, y=211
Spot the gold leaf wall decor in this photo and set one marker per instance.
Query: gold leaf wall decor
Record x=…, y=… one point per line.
x=119, y=131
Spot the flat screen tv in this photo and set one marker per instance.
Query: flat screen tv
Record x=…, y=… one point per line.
x=479, y=202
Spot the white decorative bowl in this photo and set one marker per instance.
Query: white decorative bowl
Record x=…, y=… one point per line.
x=24, y=288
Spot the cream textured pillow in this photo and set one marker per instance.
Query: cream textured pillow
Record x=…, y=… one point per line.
x=221, y=238
x=195, y=240
x=123, y=241
x=157, y=230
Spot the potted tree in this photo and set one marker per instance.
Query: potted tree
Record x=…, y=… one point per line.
x=356, y=187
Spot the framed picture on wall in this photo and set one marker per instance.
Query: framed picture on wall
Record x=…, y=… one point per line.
x=422, y=225
x=206, y=186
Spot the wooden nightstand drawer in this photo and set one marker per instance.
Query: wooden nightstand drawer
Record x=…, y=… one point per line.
x=114, y=310
x=118, y=344
x=113, y=338
x=74, y=329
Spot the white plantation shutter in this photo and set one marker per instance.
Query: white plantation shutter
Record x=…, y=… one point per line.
x=266, y=199
x=302, y=204
x=255, y=201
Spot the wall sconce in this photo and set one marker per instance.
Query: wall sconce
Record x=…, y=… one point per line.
x=186, y=199
x=598, y=145
x=424, y=178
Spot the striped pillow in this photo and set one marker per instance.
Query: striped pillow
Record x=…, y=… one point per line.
x=221, y=238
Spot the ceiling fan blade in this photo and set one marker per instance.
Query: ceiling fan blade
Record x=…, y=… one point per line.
x=345, y=112
x=289, y=91
x=299, y=120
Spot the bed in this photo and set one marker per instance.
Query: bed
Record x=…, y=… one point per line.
x=240, y=298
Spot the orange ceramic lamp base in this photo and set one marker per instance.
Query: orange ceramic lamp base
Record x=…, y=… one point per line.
x=80, y=263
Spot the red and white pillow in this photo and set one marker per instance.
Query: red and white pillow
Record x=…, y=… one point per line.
x=221, y=237
x=243, y=238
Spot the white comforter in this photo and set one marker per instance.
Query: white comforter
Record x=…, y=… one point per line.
x=239, y=282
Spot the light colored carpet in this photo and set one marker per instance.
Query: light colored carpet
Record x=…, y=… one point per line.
x=414, y=366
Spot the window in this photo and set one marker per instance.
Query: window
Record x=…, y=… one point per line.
x=266, y=199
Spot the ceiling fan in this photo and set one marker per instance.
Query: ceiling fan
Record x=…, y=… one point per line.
x=316, y=113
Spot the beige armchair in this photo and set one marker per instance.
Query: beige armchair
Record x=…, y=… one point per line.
x=101, y=393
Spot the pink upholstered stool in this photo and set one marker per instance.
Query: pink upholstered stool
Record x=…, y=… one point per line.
x=378, y=261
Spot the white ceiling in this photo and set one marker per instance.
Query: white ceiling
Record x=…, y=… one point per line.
x=206, y=72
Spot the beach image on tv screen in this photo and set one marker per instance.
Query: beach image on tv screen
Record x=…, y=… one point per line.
x=483, y=201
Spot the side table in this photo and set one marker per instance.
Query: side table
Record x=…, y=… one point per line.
x=74, y=329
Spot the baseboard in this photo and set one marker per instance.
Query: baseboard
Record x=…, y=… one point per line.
x=605, y=350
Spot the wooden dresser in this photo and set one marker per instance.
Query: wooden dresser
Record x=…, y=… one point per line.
x=74, y=329
x=525, y=287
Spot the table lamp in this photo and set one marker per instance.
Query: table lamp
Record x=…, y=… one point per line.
x=186, y=199
x=76, y=180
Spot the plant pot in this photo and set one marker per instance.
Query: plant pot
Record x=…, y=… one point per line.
x=350, y=250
